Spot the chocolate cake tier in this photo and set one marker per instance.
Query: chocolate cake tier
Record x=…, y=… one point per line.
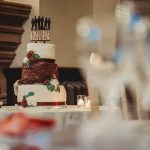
x=38, y=71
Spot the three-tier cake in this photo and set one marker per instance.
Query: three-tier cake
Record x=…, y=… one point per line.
x=39, y=83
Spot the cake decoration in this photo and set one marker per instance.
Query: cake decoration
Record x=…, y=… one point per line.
x=31, y=56
x=29, y=94
x=54, y=76
x=24, y=102
x=52, y=86
x=40, y=30
x=57, y=89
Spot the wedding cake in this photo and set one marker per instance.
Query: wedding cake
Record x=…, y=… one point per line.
x=39, y=83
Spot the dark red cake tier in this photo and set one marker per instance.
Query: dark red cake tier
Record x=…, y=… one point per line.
x=38, y=72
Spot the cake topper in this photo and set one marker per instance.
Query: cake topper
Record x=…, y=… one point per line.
x=40, y=29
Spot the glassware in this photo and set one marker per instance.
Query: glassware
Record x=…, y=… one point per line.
x=87, y=101
x=80, y=100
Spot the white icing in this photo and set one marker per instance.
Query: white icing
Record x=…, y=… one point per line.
x=41, y=93
x=16, y=87
x=44, y=50
x=31, y=101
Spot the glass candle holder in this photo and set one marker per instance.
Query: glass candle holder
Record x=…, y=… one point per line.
x=81, y=100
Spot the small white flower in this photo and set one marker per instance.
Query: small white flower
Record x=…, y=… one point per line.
x=25, y=60
x=54, y=82
x=31, y=101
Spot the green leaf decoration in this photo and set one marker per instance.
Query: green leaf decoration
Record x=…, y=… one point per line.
x=28, y=63
x=53, y=88
x=50, y=87
x=36, y=56
x=30, y=94
x=57, y=89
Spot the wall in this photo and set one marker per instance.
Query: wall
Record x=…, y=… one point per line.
x=64, y=14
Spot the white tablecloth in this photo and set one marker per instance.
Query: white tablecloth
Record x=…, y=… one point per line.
x=48, y=109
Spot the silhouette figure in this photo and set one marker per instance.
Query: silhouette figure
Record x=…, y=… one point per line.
x=49, y=23
x=35, y=24
x=39, y=23
x=45, y=24
x=42, y=23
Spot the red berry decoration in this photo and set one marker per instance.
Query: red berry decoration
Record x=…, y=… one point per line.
x=54, y=76
x=24, y=102
x=30, y=55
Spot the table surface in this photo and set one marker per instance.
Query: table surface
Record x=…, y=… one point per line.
x=70, y=108
x=68, y=115
x=64, y=116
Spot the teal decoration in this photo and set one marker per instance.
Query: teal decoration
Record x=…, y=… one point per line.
x=29, y=94
x=52, y=88
x=57, y=89
x=28, y=62
x=36, y=56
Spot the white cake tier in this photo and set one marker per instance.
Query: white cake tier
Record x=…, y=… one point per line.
x=44, y=50
x=41, y=96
